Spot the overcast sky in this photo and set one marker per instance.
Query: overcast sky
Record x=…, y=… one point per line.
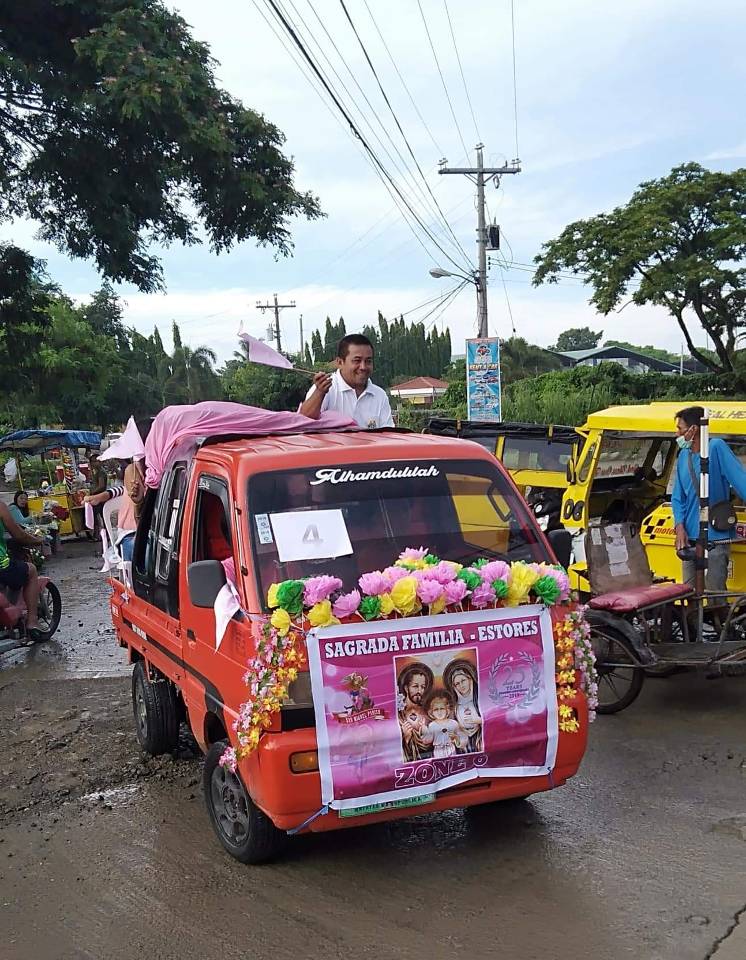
x=609, y=94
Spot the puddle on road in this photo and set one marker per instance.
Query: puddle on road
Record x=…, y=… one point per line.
x=84, y=644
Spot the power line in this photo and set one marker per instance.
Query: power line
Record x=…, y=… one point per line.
x=442, y=78
x=454, y=293
x=461, y=69
x=381, y=170
x=401, y=78
x=404, y=173
x=401, y=131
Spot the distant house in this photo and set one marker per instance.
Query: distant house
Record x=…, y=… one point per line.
x=423, y=391
x=629, y=359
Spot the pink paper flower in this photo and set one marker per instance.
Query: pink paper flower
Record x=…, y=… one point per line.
x=373, y=584
x=346, y=605
x=429, y=590
x=455, y=591
x=392, y=574
x=443, y=572
x=413, y=553
x=495, y=570
x=320, y=588
x=482, y=596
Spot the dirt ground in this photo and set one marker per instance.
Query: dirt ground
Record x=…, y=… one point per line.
x=107, y=853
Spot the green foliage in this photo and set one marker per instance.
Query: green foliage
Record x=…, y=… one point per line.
x=260, y=386
x=679, y=243
x=577, y=338
x=568, y=396
x=114, y=135
x=519, y=359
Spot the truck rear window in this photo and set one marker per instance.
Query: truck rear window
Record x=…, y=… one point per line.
x=459, y=509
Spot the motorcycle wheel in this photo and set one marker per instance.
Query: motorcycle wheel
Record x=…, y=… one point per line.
x=50, y=610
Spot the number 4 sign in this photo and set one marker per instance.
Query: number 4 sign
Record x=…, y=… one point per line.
x=310, y=535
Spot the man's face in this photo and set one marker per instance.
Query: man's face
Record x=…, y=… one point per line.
x=357, y=366
x=683, y=429
x=416, y=688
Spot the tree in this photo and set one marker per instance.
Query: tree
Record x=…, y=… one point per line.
x=577, y=338
x=259, y=386
x=679, y=243
x=114, y=135
x=519, y=359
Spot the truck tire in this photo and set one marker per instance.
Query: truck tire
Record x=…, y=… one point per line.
x=245, y=832
x=156, y=710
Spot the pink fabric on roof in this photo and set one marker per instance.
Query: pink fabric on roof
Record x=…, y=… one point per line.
x=175, y=430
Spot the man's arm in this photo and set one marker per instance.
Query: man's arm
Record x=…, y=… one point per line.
x=386, y=417
x=96, y=498
x=16, y=530
x=312, y=405
x=678, y=505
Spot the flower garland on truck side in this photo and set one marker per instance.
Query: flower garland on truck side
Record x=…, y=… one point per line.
x=417, y=583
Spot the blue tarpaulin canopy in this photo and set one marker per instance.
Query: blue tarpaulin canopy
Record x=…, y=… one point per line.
x=37, y=441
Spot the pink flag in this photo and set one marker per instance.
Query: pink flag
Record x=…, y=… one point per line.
x=128, y=447
x=260, y=352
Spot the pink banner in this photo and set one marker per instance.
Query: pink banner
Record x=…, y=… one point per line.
x=405, y=708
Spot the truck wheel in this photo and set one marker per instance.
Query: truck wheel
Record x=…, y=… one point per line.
x=619, y=678
x=245, y=832
x=156, y=712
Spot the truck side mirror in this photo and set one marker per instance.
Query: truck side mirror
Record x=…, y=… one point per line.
x=570, y=471
x=206, y=578
x=561, y=543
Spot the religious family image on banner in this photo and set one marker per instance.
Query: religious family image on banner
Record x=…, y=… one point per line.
x=406, y=708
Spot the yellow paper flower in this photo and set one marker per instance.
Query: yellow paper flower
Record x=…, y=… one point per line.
x=272, y=600
x=404, y=595
x=522, y=578
x=387, y=604
x=281, y=621
x=439, y=605
x=320, y=614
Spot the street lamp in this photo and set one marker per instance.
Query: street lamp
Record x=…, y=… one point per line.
x=439, y=273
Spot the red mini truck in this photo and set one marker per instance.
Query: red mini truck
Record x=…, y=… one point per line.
x=246, y=500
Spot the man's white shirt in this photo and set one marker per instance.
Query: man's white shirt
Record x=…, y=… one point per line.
x=369, y=410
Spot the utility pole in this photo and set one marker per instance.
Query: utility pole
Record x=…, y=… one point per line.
x=276, y=307
x=482, y=175
x=302, y=344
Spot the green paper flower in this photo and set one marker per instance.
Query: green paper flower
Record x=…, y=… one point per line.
x=547, y=590
x=370, y=608
x=470, y=578
x=431, y=560
x=501, y=588
x=290, y=596
x=478, y=564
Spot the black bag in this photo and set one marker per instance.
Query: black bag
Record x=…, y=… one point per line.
x=722, y=515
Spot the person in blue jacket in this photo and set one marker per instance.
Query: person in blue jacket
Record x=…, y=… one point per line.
x=726, y=473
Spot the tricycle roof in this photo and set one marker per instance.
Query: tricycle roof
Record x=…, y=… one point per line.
x=727, y=417
x=39, y=440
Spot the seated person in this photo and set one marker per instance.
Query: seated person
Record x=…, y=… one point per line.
x=19, y=575
x=19, y=509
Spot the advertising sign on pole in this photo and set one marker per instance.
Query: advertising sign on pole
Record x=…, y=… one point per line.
x=483, y=392
x=406, y=708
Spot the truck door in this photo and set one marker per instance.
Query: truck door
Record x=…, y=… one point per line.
x=155, y=567
x=213, y=676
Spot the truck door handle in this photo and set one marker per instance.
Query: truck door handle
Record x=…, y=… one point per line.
x=190, y=635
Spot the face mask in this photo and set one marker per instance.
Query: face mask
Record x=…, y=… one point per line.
x=683, y=444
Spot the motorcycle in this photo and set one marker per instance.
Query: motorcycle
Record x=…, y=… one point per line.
x=546, y=505
x=13, y=615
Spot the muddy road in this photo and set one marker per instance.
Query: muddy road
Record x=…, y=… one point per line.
x=107, y=853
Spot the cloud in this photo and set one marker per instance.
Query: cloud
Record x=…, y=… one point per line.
x=728, y=153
